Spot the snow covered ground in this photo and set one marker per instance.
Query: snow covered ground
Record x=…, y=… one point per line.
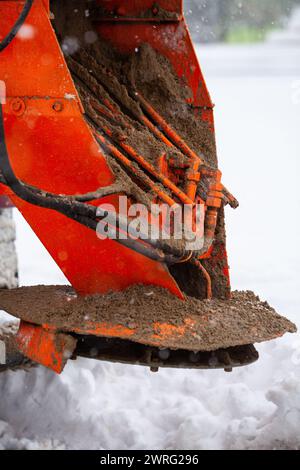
x=103, y=406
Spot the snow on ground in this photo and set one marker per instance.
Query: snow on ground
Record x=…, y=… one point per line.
x=96, y=405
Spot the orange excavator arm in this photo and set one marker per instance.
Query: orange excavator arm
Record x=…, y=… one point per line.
x=89, y=113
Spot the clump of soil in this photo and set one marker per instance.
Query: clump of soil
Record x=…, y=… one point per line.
x=195, y=325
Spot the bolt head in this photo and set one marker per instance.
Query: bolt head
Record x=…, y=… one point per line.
x=58, y=106
x=17, y=106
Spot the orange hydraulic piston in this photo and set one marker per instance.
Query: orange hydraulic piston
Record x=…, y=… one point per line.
x=193, y=177
x=167, y=129
x=199, y=265
x=150, y=168
x=156, y=131
x=117, y=154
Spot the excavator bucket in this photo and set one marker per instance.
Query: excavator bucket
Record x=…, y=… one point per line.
x=106, y=131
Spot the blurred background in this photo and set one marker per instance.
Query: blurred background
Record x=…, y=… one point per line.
x=235, y=21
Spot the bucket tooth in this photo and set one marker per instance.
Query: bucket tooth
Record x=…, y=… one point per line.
x=46, y=347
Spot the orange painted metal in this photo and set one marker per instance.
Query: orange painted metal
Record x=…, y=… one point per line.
x=109, y=330
x=49, y=348
x=160, y=335
x=192, y=178
x=207, y=277
x=166, y=331
x=172, y=135
x=193, y=174
x=51, y=146
x=156, y=131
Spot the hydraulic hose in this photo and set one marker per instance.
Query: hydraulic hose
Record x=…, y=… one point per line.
x=18, y=24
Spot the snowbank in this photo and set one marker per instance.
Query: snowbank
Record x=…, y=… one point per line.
x=103, y=406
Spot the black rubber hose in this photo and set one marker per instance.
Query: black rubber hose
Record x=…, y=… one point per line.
x=18, y=24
